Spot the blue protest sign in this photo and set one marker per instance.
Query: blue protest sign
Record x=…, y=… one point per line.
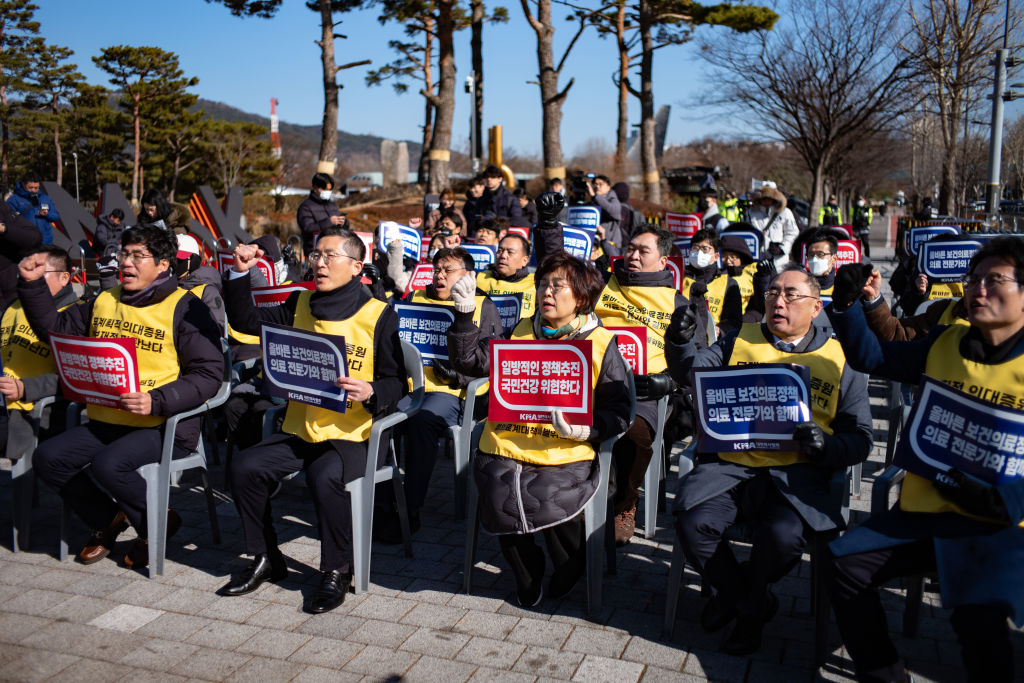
x=751, y=407
x=578, y=241
x=483, y=255
x=826, y=299
x=946, y=261
x=584, y=216
x=753, y=240
x=389, y=231
x=509, y=307
x=917, y=236
x=425, y=326
x=684, y=246
x=948, y=428
x=299, y=365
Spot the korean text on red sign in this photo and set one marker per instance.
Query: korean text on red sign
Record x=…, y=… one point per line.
x=94, y=370
x=632, y=343
x=531, y=378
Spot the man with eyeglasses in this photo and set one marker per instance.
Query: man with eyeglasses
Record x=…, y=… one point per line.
x=704, y=279
x=784, y=496
x=640, y=293
x=29, y=373
x=445, y=388
x=180, y=365
x=509, y=274
x=933, y=522
x=329, y=446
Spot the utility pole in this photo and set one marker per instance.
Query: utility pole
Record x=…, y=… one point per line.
x=1000, y=94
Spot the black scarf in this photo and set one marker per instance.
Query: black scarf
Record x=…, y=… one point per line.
x=157, y=290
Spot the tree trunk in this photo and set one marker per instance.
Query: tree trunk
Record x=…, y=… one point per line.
x=137, y=156
x=5, y=140
x=817, y=190
x=60, y=156
x=648, y=159
x=422, y=172
x=329, y=130
x=622, y=133
x=550, y=99
x=476, y=46
x=440, y=144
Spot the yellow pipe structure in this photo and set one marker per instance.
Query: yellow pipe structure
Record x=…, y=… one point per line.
x=494, y=155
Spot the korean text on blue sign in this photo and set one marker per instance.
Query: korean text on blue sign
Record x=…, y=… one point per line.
x=578, y=241
x=751, y=407
x=946, y=261
x=948, y=428
x=509, y=309
x=584, y=216
x=753, y=240
x=483, y=255
x=425, y=326
x=302, y=366
x=918, y=236
x=389, y=231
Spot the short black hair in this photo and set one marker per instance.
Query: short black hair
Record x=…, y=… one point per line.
x=118, y=214
x=490, y=224
x=477, y=180
x=457, y=253
x=56, y=256
x=323, y=180
x=555, y=181
x=603, y=178
x=1007, y=248
x=823, y=236
x=161, y=243
x=706, y=235
x=665, y=239
x=492, y=171
x=525, y=242
x=454, y=216
x=520, y=192
x=350, y=242
x=31, y=177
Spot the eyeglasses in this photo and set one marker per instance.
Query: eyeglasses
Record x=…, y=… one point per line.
x=706, y=248
x=136, y=257
x=555, y=286
x=820, y=254
x=989, y=281
x=328, y=257
x=447, y=272
x=788, y=296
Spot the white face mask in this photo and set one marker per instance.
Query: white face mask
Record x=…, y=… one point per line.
x=700, y=259
x=860, y=202
x=819, y=266
x=325, y=195
x=430, y=254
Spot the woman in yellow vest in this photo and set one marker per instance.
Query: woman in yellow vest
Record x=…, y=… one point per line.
x=535, y=478
x=784, y=495
x=180, y=366
x=933, y=523
x=330, y=446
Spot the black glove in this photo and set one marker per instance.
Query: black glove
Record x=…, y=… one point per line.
x=683, y=325
x=974, y=497
x=444, y=372
x=811, y=441
x=850, y=280
x=653, y=387
x=766, y=268
x=698, y=289
x=549, y=205
x=107, y=265
x=371, y=272
x=775, y=249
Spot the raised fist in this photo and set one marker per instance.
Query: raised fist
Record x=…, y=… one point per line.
x=32, y=267
x=549, y=205
x=246, y=256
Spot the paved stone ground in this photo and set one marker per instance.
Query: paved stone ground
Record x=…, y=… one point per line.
x=64, y=621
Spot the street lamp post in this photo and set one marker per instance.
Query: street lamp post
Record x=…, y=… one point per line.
x=75, y=155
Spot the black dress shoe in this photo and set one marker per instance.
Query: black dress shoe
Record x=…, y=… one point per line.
x=331, y=592
x=716, y=614
x=745, y=637
x=264, y=566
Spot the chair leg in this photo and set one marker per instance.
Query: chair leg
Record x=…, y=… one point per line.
x=675, y=581
x=595, y=519
x=912, y=609
x=652, y=482
x=858, y=470
x=362, y=528
x=157, y=498
x=22, y=492
x=211, y=506
x=403, y=511
x=460, y=460
x=611, y=560
x=472, y=536
x=211, y=432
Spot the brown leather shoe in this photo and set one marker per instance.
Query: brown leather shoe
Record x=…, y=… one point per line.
x=138, y=555
x=625, y=525
x=102, y=541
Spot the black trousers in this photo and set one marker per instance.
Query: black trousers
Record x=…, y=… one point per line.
x=779, y=539
x=421, y=435
x=981, y=629
x=90, y=463
x=329, y=465
x=631, y=456
x=565, y=546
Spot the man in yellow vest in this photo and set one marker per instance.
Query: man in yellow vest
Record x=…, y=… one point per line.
x=445, y=388
x=934, y=522
x=29, y=372
x=640, y=293
x=330, y=446
x=783, y=495
x=509, y=273
x=180, y=365
x=705, y=279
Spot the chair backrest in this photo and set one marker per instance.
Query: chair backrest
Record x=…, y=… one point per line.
x=414, y=368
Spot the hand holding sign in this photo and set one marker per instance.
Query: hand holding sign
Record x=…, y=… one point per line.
x=358, y=389
x=12, y=389
x=975, y=498
x=568, y=431
x=138, y=403
x=246, y=256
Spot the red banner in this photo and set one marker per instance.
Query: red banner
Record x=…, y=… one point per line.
x=530, y=378
x=94, y=370
x=520, y=230
x=424, y=247
x=226, y=260
x=272, y=296
x=367, y=238
x=422, y=275
x=682, y=224
x=632, y=343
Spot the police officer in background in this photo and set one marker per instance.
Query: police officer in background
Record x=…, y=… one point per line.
x=830, y=214
x=783, y=495
x=861, y=220
x=180, y=365
x=330, y=446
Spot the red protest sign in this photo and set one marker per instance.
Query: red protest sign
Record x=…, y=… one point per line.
x=226, y=260
x=632, y=343
x=272, y=296
x=94, y=370
x=674, y=264
x=422, y=275
x=531, y=378
x=424, y=247
x=520, y=230
x=367, y=238
x=682, y=224
x=848, y=229
x=849, y=252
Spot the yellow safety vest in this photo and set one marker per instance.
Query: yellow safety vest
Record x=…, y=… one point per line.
x=152, y=329
x=715, y=295
x=998, y=384
x=315, y=424
x=430, y=381
x=948, y=318
x=631, y=306
x=23, y=354
x=488, y=284
x=945, y=290
x=540, y=444
x=826, y=365
x=745, y=281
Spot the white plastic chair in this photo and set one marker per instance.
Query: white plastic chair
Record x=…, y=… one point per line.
x=655, y=471
x=23, y=482
x=461, y=436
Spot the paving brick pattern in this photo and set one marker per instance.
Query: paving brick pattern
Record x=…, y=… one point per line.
x=104, y=622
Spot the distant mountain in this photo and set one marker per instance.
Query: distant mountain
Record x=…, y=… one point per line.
x=308, y=137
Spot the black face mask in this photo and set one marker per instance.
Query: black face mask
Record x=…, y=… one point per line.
x=702, y=206
x=734, y=270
